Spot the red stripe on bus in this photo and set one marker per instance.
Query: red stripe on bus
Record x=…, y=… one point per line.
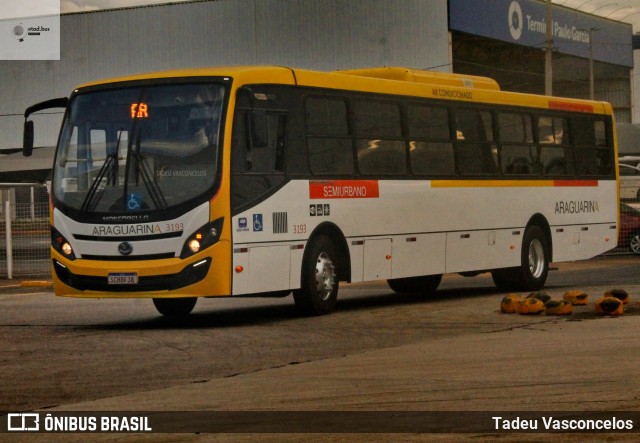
x=321, y=189
x=560, y=183
x=568, y=106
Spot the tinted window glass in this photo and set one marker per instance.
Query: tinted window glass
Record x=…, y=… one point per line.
x=377, y=119
x=474, y=152
x=515, y=128
x=326, y=116
x=328, y=139
x=427, y=122
x=552, y=130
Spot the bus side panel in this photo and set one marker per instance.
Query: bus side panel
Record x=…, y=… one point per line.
x=418, y=254
x=479, y=250
x=579, y=242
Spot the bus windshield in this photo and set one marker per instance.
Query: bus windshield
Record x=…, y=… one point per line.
x=139, y=149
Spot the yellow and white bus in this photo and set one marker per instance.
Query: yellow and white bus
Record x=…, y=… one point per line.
x=248, y=181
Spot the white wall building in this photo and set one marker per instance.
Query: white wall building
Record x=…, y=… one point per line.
x=312, y=34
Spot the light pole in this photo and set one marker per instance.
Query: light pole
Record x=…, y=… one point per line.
x=592, y=79
x=591, y=71
x=548, y=60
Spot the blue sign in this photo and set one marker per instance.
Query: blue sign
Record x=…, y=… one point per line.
x=257, y=222
x=523, y=22
x=134, y=201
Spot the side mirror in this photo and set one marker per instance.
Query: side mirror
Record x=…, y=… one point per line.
x=27, y=138
x=259, y=128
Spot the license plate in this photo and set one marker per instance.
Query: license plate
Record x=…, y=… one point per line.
x=123, y=278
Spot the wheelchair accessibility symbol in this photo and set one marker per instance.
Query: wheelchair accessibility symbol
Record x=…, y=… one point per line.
x=134, y=201
x=257, y=222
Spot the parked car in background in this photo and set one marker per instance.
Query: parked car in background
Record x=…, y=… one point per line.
x=629, y=182
x=629, y=236
x=633, y=160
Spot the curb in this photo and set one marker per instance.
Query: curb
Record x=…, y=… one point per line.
x=36, y=284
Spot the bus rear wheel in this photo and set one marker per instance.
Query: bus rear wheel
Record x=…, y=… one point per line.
x=426, y=284
x=319, y=281
x=175, y=307
x=532, y=273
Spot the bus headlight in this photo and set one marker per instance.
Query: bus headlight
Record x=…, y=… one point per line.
x=60, y=244
x=194, y=245
x=204, y=237
x=66, y=248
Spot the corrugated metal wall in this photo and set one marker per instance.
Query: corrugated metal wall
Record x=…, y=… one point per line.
x=312, y=34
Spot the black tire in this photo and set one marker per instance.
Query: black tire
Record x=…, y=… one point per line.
x=532, y=273
x=319, y=280
x=175, y=307
x=426, y=285
x=504, y=278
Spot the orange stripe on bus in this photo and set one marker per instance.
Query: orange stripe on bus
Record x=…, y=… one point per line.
x=569, y=106
x=511, y=183
x=575, y=183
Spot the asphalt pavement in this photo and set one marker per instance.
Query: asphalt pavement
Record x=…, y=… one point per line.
x=582, y=363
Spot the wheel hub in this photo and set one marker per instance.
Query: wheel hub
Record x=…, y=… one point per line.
x=536, y=258
x=325, y=276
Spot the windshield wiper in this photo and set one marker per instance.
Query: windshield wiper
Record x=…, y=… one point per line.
x=110, y=166
x=134, y=157
x=147, y=178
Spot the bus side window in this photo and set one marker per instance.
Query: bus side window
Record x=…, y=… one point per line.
x=266, y=154
x=256, y=169
x=262, y=153
x=474, y=149
x=379, y=142
x=430, y=146
x=594, y=155
x=555, y=151
x=328, y=136
x=518, y=154
x=240, y=160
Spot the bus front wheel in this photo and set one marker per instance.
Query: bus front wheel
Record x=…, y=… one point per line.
x=319, y=281
x=175, y=307
x=531, y=275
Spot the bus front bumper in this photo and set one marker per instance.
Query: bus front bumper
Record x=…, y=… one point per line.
x=188, y=276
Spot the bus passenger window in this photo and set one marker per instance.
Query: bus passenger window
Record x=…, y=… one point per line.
x=474, y=151
x=555, y=152
x=255, y=170
x=601, y=134
x=265, y=156
x=328, y=137
x=430, y=148
x=518, y=154
x=380, y=145
x=594, y=154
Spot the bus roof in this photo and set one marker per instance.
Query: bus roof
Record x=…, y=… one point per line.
x=426, y=77
x=385, y=80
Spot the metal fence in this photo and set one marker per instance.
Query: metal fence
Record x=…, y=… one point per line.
x=24, y=231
